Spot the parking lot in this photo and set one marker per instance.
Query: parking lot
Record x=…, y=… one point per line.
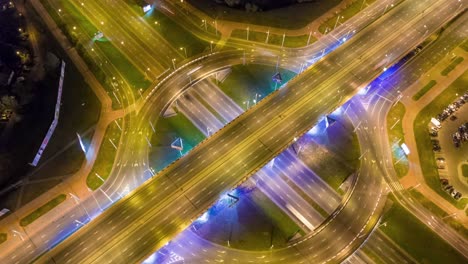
x=449, y=141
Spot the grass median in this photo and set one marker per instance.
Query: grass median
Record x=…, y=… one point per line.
x=424, y=90
x=30, y=218
x=343, y=15
x=396, y=138
x=274, y=39
x=453, y=64
x=423, y=244
x=105, y=158
x=3, y=237
x=423, y=139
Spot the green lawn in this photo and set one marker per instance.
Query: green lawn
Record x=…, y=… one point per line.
x=303, y=13
x=273, y=212
x=106, y=156
x=396, y=138
x=423, y=140
x=42, y=210
x=273, y=39
x=176, y=35
x=453, y=64
x=70, y=18
x=436, y=210
x=245, y=81
x=3, y=237
x=465, y=170
x=167, y=130
x=345, y=14
x=424, y=90
x=424, y=245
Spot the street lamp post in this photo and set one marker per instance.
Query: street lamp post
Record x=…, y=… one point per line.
x=308, y=40
x=268, y=34
x=204, y=22
x=248, y=29
x=173, y=63
x=282, y=42
x=337, y=19
x=185, y=51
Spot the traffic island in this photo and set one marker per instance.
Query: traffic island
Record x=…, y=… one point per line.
x=105, y=158
x=396, y=138
x=30, y=218
x=3, y=237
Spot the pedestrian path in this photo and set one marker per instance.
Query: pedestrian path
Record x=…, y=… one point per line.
x=415, y=178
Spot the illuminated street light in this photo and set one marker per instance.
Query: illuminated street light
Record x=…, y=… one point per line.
x=185, y=51
x=204, y=22
x=338, y=18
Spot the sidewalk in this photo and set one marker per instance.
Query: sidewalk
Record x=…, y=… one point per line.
x=415, y=176
x=226, y=27
x=75, y=184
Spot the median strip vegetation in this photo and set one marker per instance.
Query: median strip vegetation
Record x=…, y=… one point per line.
x=3, y=237
x=436, y=210
x=27, y=220
x=423, y=139
x=424, y=90
x=423, y=244
x=274, y=39
x=343, y=15
x=396, y=138
x=76, y=27
x=106, y=156
x=453, y=64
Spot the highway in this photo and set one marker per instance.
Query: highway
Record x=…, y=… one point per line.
x=253, y=144
x=270, y=181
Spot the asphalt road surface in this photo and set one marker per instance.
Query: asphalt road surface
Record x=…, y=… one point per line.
x=154, y=213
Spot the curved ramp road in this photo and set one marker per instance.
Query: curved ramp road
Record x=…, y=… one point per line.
x=154, y=213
